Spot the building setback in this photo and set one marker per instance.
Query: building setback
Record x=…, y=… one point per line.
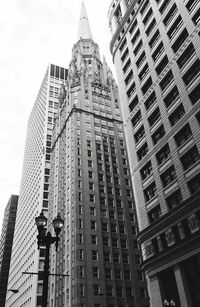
x=90, y=186
x=156, y=50
x=6, y=242
x=34, y=193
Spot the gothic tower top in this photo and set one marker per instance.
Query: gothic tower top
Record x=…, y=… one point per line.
x=84, y=26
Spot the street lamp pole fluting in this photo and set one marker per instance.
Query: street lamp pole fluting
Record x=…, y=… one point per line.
x=47, y=240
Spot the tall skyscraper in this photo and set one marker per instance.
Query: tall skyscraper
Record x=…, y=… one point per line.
x=156, y=51
x=90, y=186
x=34, y=193
x=6, y=242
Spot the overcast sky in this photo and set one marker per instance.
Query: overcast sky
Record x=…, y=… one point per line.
x=34, y=33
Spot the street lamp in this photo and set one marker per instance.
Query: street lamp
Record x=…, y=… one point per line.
x=169, y=303
x=47, y=240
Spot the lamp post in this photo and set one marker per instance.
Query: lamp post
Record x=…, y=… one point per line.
x=47, y=240
x=169, y=303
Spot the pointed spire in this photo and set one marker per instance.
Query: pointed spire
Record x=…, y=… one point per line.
x=84, y=26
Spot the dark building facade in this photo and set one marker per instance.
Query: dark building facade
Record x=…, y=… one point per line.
x=90, y=186
x=156, y=51
x=6, y=243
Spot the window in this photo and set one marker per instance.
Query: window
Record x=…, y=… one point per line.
x=141, y=59
x=198, y=117
x=125, y=258
x=161, y=66
x=133, y=27
x=113, y=228
x=131, y=90
x=95, y=271
x=109, y=291
x=190, y=158
x=146, y=86
x=191, y=4
x=92, y=211
x=186, y=55
x=135, y=37
x=89, y=163
x=136, y=118
x=116, y=258
x=119, y=291
x=138, y=48
x=91, y=198
x=158, y=135
x=157, y=53
x=168, y=176
x=174, y=199
x=96, y=289
x=194, y=184
x=164, y=6
x=133, y=103
x=126, y=66
x=143, y=9
x=106, y=256
x=154, y=214
x=163, y=154
x=180, y=40
x=105, y=241
x=139, y=134
x=123, y=243
x=171, y=97
x=150, y=27
x=91, y=185
x=108, y=273
x=153, y=118
x=195, y=94
x=81, y=254
x=154, y=39
x=150, y=192
x=124, y=55
x=170, y=15
x=90, y=174
x=94, y=239
x=192, y=72
x=177, y=115
x=94, y=255
x=144, y=72
x=129, y=77
x=81, y=238
x=146, y=171
x=183, y=135
x=93, y=225
x=147, y=16
x=117, y=274
x=121, y=47
x=150, y=101
x=175, y=27
x=166, y=81
x=81, y=272
x=142, y=151
x=114, y=242
x=196, y=17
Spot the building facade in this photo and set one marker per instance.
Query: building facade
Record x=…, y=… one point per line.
x=34, y=193
x=90, y=186
x=6, y=242
x=156, y=50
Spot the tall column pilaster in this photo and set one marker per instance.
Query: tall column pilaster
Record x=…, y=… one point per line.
x=154, y=291
x=182, y=286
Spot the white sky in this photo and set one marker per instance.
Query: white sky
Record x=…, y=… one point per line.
x=34, y=33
